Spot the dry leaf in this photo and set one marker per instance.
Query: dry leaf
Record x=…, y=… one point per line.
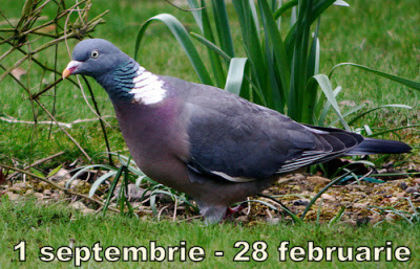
x=318, y=180
x=18, y=73
x=347, y=103
x=47, y=29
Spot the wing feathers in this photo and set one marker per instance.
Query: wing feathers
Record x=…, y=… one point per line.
x=234, y=140
x=333, y=143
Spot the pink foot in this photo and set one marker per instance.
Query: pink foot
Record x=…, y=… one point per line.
x=233, y=210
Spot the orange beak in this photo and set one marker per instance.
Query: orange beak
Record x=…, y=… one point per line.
x=66, y=73
x=71, y=67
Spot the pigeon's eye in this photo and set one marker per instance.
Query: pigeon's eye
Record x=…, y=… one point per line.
x=94, y=54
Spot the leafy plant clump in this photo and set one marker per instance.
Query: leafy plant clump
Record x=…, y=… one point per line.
x=280, y=69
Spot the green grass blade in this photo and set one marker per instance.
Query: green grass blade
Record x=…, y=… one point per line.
x=202, y=19
x=255, y=16
x=293, y=16
x=326, y=106
x=275, y=95
x=218, y=70
x=404, y=81
x=393, y=130
x=310, y=94
x=122, y=196
x=284, y=8
x=111, y=189
x=211, y=46
x=299, y=65
x=318, y=8
x=281, y=59
x=84, y=169
x=295, y=218
x=235, y=76
x=351, y=111
x=54, y=171
x=222, y=26
x=376, y=108
x=99, y=181
x=181, y=35
x=272, y=31
x=337, y=217
x=253, y=49
x=308, y=207
x=325, y=85
x=196, y=11
x=314, y=54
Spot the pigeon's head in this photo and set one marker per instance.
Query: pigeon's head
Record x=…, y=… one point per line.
x=94, y=57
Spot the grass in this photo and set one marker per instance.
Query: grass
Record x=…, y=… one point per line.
x=56, y=225
x=378, y=34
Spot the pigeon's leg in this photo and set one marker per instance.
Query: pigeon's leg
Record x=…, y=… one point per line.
x=230, y=211
x=212, y=213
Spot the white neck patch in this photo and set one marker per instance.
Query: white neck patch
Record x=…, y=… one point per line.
x=148, y=88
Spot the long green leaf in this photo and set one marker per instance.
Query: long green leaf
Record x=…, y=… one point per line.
x=216, y=64
x=274, y=34
x=404, y=81
x=318, y=8
x=111, y=189
x=211, y=46
x=181, y=35
x=86, y=168
x=337, y=217
x=326, y=88
x=235, y=75
x=222, y=26
x=54, y=171
x=202, y=19
x=313, y=65
x=299, y=65
x=302, y=217
x=326, y=107
x=310, y=94
x=196, y=10
x=378, y=107
x=271, y=30
x=351, y=111
x=284, y=8
x=255, y=16
x=99, y=181
x=253, y=49
x=393, y=130
x=277, y=101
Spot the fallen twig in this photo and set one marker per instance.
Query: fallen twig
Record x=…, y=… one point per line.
x=37, y=163
x=69, y=125
x=46, y=180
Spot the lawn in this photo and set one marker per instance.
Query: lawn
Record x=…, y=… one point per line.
x=56, y=226
x=379, y=34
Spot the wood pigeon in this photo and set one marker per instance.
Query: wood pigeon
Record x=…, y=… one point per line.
x=211, y=144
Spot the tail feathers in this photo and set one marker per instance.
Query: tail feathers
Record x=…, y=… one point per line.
x=376, y=146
